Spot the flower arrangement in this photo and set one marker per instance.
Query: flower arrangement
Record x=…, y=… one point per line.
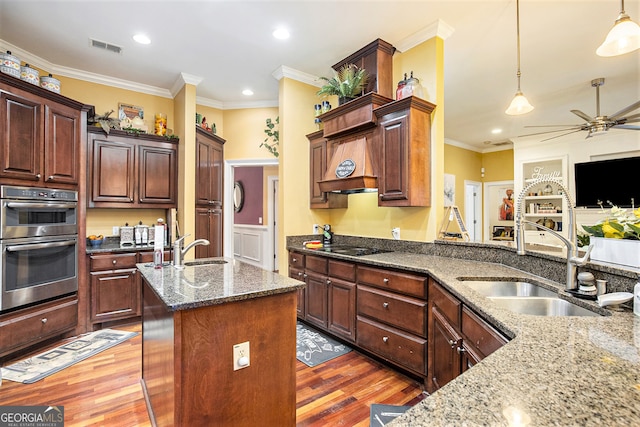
x=619, y=224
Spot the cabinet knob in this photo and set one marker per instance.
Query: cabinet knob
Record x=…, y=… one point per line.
x=43, y=320
x=461, y=350
x=385, y=305
x=114, y=262
x=131, y=199
x=452, y=343
x=385, y=339
x=328, y=282
x=50, y=178
x=385, y=281
x=38, y=176
x=305, y=275
x=294, y=259
x=300, y=274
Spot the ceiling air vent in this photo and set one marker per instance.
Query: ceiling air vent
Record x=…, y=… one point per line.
x=499, y=143
x=106, y=46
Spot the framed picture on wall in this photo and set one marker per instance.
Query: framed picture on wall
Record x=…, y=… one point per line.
x=449, y=189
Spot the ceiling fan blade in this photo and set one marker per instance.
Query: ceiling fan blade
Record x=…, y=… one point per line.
x=582, y=115
x=547, y=126
x=632, y=127
x=558, y=136
x=630, y=119
x=624, y=111
x=573, y=129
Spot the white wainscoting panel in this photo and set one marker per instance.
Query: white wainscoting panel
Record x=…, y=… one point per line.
x=249, y=244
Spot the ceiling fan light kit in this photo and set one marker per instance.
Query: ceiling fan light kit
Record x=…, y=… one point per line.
x=623, y=38
x=520, y=104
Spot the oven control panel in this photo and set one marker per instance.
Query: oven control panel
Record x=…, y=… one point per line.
x=34, y=193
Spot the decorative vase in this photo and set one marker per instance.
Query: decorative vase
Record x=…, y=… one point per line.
x=623, y=252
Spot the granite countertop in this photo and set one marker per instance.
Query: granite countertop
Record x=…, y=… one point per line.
x=212, y=281
x=555, y=371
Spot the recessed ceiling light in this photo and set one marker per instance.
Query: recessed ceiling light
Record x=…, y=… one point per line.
x=142, y=39
x=247, y=92
x=496, y=131
x=281, y=34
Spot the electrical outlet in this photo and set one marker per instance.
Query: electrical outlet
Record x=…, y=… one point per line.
x=115, y=231
x=395, y=232
x=316, y=229
x=241, y=356
x=259, y=220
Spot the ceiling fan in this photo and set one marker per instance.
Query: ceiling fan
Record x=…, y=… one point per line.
x=598, y=124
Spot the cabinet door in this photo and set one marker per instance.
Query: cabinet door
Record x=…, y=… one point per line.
x=21, y=127
x=112, y=171
x=393, y=176
x=445, y=357
x=209, y=226
x=298, y=274
x=342, y=306
x=63, y=129
x=203, y=172
x=216, y=175
x=318, y=164
x=316, y=303
x=157, y=179
x=115, y=295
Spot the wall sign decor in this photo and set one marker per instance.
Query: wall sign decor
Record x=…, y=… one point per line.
x=345, y=168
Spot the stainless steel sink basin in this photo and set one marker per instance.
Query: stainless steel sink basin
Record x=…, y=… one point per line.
x=498, y=288
x=541, y=306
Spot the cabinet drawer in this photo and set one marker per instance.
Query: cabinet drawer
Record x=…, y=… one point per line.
x=296, y=260
x=397, y=310
x=342, y=270
x=148, y=256
x=409, y=284
x=113, y=261
x=480, y=335
x=448, y=305
x=33, y=324
x=404, y=349
x=315, y=263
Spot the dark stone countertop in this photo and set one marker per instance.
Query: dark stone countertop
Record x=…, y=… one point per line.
x=212, y=281
x=555, y=371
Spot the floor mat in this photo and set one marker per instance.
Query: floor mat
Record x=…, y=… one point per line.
x=314, y=348
x=382, y=414
x=44, y=364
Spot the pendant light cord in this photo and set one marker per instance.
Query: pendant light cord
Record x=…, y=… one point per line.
x=518, y=74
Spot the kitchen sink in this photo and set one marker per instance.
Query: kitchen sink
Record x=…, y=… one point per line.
x=541, y=306
x=499, y=288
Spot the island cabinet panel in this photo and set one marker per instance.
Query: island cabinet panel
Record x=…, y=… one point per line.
x=458, y=337
x=187, y=366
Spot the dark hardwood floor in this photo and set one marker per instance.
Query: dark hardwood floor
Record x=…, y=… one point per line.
x=105, y=390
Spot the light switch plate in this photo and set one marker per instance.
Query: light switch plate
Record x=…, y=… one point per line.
x=241, y=356
x=115, y=231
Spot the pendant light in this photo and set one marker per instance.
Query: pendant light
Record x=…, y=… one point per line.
x=623, y=38
x=519, y=104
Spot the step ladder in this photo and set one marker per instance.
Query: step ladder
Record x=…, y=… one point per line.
x=452, y=214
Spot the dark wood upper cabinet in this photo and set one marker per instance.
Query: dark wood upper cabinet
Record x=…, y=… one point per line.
x=318, y=166
x=41, y=135
x=132, y=171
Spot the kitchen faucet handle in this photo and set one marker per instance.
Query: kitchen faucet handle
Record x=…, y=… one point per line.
x=582, y=261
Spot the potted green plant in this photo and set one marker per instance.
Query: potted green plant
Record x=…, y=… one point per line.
x=272, y=140
x=347, y=83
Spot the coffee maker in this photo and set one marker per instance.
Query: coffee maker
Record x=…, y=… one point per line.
x=327, y=235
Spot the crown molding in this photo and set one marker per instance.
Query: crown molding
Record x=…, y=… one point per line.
x=438, y=28
x=301, y=76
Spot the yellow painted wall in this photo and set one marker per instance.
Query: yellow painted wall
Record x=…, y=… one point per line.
x=213, y=116
x=103, y=220
x=465, y=165
x=498, y=165
x=244, y=132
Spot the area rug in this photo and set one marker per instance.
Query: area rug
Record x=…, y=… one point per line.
x=44, y=364
x=314, y=348
x=380, y=415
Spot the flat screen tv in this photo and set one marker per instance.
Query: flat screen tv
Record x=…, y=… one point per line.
x=616, y=180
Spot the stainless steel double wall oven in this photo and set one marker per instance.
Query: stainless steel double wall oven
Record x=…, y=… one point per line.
x=38, y=245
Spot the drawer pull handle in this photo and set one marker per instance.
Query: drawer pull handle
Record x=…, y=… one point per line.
x=43, y=320
x=386, y=281
x=115, y=262
x=294, y=259
x=50, y=178
x=452, y=343
x=385, y=339
x=300, y=274
x=38, y=176
x=305, y=275
x=328, y=282
x=385, y=305
x=461, y=350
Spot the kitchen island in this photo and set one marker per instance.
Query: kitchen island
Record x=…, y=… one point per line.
x=555, y=371
x=193, y=318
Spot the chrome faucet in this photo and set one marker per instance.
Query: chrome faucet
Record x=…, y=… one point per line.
x=573, y=261
x=179, y=252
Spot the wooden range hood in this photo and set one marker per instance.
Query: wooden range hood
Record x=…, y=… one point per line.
x=352, y=167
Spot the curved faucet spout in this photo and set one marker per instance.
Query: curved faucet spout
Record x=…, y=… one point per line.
x=571, y=242
x=179, y=252
x=197, y=242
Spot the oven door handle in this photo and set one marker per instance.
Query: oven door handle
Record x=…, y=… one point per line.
x=28, y=247
x=48, y=205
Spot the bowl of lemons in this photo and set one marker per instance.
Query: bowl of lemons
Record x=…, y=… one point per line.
x=95, y=240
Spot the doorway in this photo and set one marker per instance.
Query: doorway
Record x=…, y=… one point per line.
x=473, y=209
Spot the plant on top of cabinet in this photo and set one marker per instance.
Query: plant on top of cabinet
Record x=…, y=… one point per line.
x=347, y=83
